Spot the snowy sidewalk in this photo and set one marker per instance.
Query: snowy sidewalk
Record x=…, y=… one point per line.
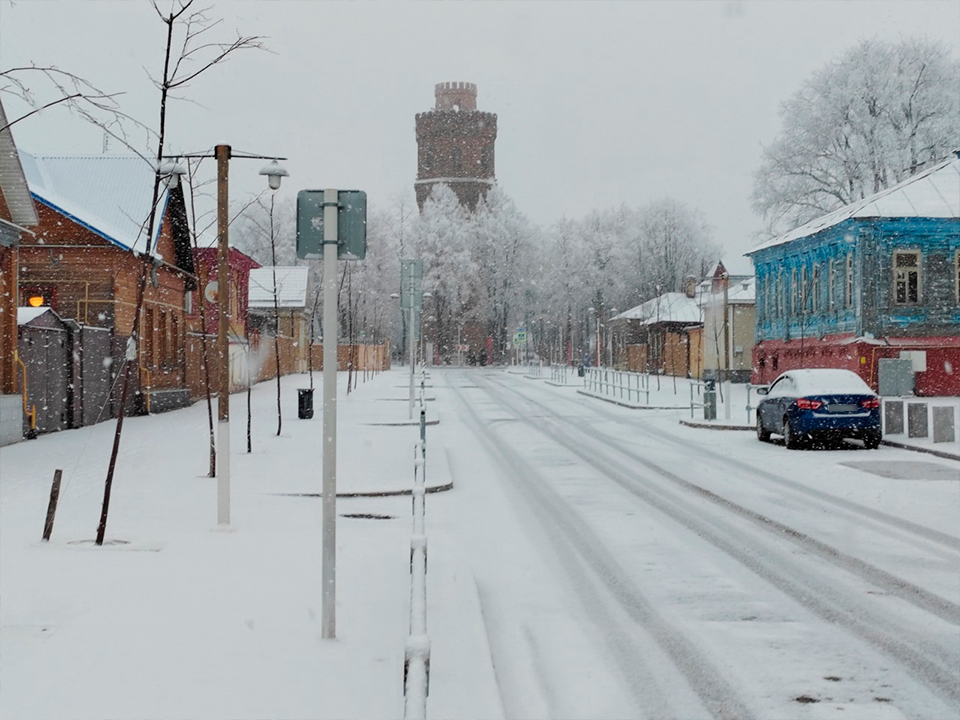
x=176, y=618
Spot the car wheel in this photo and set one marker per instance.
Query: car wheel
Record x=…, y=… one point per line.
x=790, y=438
x=871, y=441
x=762, y=435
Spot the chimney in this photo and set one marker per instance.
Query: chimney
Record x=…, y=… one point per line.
x=691, y=286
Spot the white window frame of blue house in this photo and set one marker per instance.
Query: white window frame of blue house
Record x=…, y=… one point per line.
x=780, y=293
x=815, y=288
x=793, y=291
x=803, y=290
x=848, y=292
x=830, y=292
x=956, y=275
x=902, y=274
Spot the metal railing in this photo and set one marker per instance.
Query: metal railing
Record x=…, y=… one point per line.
x=699, y=385
x=617, y=383
x=416, y=661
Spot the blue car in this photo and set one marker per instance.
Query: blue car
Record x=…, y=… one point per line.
x=819, y=404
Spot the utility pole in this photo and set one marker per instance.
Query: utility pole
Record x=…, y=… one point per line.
x=222, y=153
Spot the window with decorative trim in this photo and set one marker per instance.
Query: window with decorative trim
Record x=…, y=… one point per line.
x=793, y=291
x=815, y=288
x=830, y=281
x=906, y=277
x=780, y=295
x=848, y=290
x=956, y=275
x=803, y=290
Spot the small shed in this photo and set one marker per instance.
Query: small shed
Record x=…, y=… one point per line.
x=45, y=343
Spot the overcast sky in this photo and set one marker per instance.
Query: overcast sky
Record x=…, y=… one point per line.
x=599, y=103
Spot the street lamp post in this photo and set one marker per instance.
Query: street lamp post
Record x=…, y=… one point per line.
x=274, y=173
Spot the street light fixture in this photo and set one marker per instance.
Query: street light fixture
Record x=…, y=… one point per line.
x=275, y=172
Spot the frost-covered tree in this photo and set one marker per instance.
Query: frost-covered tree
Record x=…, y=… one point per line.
x=442, y=241
x=866, y=121
x=507, y=281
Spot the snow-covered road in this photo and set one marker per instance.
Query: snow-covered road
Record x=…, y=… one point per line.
x=610, y=562
x=632, y=567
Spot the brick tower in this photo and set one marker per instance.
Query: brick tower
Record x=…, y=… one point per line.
x=455, y=145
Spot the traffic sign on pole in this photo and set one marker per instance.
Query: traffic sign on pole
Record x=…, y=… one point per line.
x=351, y=224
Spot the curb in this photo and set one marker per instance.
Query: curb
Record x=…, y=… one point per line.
x=917, y=448
x=631, y=406
x=715, y=426
x=381, y=493
x=403, y=423
x=891, y=443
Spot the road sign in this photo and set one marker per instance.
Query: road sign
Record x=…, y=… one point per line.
x=351, y=224
x=520, y=337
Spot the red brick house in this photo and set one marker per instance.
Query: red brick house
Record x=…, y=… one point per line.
x=85, y=262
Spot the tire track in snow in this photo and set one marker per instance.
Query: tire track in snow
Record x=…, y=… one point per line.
x=950, y=541
x=899, y=587
x=818, y=595
x=714, y=691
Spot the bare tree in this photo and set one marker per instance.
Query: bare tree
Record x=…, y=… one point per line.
x=196, y=55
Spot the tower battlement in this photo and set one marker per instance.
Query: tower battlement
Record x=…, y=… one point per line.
x=455, y=96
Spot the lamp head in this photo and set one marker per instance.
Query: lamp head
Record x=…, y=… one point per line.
x=171, y=171
x=274, y=172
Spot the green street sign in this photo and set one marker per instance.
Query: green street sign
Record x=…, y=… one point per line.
x=351, y=224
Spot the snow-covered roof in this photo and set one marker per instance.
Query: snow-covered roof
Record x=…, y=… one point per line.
x=291, y=287
x=741, y=292
x=27, y=314
x=931, y=193
x=735, y=265
x=107, y=194
x=13, y=183
x=671, y=307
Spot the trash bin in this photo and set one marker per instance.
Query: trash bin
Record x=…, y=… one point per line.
x=305, y=403
x=710, y=400
x=580, y=371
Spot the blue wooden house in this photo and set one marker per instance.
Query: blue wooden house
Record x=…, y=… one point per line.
x=879, y=278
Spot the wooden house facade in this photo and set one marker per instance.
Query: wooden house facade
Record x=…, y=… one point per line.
x=875, y=280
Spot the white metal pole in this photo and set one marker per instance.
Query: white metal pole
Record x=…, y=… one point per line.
x=410, y=343
x=728, y=355
x=329, y=573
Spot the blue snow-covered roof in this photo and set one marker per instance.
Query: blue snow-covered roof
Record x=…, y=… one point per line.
x=931, y=193
x=107, y=194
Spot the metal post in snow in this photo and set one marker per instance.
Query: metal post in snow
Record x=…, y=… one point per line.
x=329, y=571
x=410, y=343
